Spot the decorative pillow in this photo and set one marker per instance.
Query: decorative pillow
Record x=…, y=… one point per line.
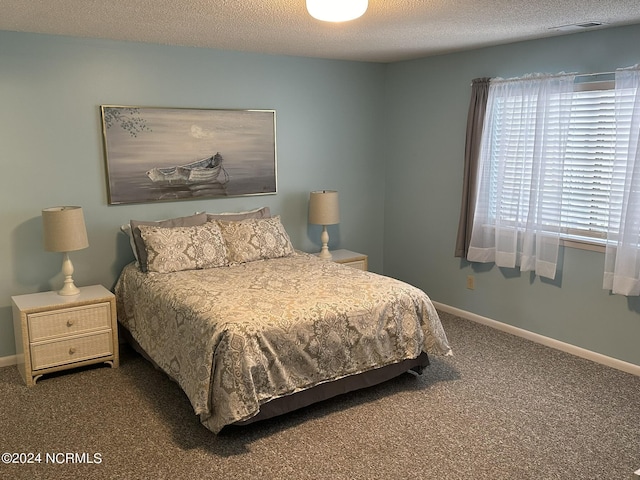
x=255, y=239
x=172, y=249
x=211, y=251
x=263, y=212
x=190, y=221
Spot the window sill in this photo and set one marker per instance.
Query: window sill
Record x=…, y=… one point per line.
x=583, y=245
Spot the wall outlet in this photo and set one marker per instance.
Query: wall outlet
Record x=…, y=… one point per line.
x=471, y=282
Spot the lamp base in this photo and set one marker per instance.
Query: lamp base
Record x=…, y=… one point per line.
x=69, y=287
x=325, y=254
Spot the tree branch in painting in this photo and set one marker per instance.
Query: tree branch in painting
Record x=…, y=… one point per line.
x=129, y=120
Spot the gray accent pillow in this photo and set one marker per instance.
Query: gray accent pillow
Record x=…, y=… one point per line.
x=263, y=212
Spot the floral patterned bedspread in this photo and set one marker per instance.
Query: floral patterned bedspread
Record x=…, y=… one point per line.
x=236, y=337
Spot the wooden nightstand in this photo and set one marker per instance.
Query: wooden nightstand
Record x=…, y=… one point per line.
x=352, y=259
x=56, y=332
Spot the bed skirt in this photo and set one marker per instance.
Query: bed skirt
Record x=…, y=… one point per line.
x=318, y=393
x=324, y=391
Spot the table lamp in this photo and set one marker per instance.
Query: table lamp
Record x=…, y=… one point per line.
x=65, y=231
x=323, y=210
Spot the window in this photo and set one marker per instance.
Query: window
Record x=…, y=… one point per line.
x=587, y=173
x=560, y=160
x=588, y=164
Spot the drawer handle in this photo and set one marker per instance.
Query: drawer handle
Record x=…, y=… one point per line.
x=69, y=323
x=72, y=350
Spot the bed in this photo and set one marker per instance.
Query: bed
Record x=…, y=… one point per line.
x=251, y=328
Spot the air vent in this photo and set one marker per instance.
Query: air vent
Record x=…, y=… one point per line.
x=575, y=27
x=589, y=24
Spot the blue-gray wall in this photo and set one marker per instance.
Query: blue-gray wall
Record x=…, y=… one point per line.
x=328, y=117
x=390, y=138
x=426, y=112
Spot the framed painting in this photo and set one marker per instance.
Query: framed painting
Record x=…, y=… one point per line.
x=160, y=154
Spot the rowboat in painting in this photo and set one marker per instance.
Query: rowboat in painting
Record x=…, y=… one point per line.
x=205, y=170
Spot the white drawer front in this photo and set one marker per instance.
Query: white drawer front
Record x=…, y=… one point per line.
x=69, y=350
x=359, y=264
x=69, y=321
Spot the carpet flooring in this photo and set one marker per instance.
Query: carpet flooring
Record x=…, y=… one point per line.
x=500, y=408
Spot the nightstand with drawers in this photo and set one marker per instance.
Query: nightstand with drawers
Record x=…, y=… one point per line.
x=352, y=259
x=56, y=332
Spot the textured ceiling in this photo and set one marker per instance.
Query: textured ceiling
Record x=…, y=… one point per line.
x=390, y=30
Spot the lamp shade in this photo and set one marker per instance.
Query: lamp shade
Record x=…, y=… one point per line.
x=323, y=207
x=64, y=229
x=337, y=10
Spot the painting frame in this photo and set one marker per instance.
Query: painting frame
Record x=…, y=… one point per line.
x=155, y=154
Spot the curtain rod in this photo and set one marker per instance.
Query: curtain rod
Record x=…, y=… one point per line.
x=597, y=74
x=632, y=67
x=550, y=75
x=576, y=75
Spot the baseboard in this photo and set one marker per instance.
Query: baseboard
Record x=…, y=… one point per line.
x=8, y=361
x=541, y=339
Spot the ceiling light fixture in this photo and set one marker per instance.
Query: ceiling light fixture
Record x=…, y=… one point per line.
x=337, y=10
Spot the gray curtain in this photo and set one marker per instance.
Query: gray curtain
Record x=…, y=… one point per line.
x=475, y=122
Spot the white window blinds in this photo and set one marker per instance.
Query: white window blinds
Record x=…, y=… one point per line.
x=587, y=171
x=588, y=166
